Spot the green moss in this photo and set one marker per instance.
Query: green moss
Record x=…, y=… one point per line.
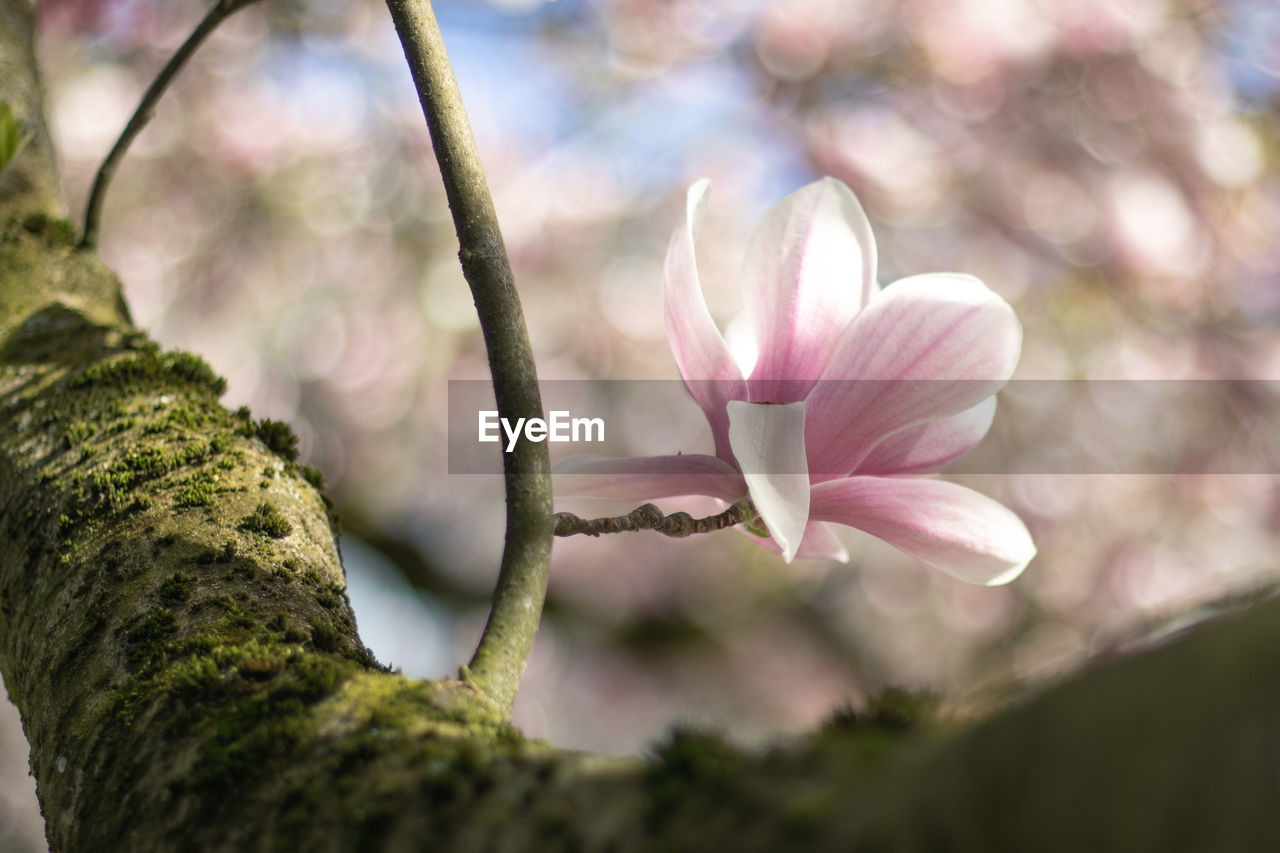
x=267, y=520
x=176, y=589
x=76, y=433
x=198, y=490
x=331, y=513
x=181, y=416
x=325, y=637
x=278, y=436
x=195, y=453
x=312, y=475
x=248, y=683
x=150, y=368
x=264, y=695
x=199, y=644
x=691, y=753
x=894, y=709
x=147, y=639
x=145, y=461
x=113, y=486
x=193, y=678
x=56, y=232
x=691, y=768
x=234, y=618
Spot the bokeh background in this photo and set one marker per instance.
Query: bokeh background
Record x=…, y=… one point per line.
x=1109, y=166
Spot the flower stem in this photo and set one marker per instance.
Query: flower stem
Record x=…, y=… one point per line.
x=504, y=648
x=648, y=517
x=222, y=9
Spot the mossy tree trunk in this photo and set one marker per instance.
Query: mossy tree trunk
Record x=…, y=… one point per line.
x=175, y=631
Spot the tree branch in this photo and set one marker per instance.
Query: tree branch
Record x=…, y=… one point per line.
x=222, y=9
x=504, y=648
x=649, y=517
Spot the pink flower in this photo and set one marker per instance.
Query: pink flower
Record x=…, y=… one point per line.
x=810, y=446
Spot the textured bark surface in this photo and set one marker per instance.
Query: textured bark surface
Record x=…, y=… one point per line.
x=175, y=632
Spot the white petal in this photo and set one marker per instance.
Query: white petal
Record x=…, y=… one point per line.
x=809, y=269
x=768, y=444
x=742, y=343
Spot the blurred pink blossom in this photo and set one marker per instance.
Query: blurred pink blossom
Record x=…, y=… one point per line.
x=927, y=355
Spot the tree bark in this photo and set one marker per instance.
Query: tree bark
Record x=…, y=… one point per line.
x=175, y=632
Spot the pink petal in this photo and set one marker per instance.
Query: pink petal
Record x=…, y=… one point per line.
x=965, y=534
x=819, y=543
x=700, y=350
x=768, y=444
x=928, y=448
x=647, y=478
x=810, y=268
x=932, y=346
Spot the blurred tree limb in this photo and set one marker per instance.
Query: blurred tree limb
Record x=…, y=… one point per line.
x=190, y=678
x=500, y=658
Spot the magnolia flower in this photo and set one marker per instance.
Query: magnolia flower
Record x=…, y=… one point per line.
x=846, y=395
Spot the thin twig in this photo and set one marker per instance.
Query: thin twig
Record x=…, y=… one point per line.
x=221, y=10
x=648, y=517
x=504, y=648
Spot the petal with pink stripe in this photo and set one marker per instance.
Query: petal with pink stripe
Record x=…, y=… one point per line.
x=926, y=348
x=810, y=268
x=965, y=534
x=928, y=448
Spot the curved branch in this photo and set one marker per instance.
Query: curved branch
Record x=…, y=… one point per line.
x=221, y=10
x=504, y=648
